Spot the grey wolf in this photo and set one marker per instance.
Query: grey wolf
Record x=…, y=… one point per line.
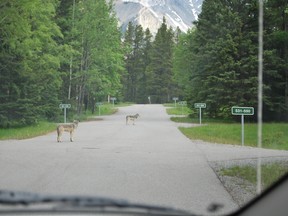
x=68, y=127
x=131, y=118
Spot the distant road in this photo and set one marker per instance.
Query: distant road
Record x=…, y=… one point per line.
x=150, y=162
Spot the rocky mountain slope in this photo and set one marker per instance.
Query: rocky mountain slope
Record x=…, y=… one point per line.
x=150, y=13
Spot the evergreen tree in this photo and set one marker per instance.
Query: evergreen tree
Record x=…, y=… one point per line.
x=29, y=62
x=138, y=46
x=99, y=64
x=134, y=60
x=160, y=74
x=275, y=60
x=143, y=79
x=128, y=46
x=224, y=68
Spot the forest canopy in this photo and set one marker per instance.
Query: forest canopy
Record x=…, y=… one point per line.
x=54, y=52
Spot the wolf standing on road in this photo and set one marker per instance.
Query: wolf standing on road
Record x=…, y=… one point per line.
x=131, y=118
x=69, y=127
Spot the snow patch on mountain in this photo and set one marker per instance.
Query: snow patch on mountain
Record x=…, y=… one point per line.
x=150, y=13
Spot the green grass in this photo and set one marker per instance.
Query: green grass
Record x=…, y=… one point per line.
x=275, y=135
x=269, y=173
x=105, y=109
x=196, y=120
x=27, y=132
x=179, y=110
x=184, y=120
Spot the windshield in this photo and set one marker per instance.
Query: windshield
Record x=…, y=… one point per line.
x=180, y=104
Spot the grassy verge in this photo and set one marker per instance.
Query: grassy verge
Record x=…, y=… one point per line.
x=270, y=173
x=196, y=120
x=27, y=132
x=104, y=109
x=185, y=120
x=179, y=110
x=275, y=135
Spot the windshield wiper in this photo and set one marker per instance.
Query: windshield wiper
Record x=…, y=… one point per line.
x=78, y=204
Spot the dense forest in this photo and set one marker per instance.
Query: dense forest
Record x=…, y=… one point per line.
x=72, y=51
x=217, y=61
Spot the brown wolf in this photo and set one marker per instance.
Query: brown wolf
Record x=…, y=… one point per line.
x=68, y=127
x=131, y=118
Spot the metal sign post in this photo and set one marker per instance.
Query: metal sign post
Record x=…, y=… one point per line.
x=182, y=103
x=113, y=100
x=200, y=106
x=64, y=106
x=98, y=104
x=175, y=99
x=242, y=111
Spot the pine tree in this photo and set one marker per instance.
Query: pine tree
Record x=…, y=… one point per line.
x=224, y=68
x=160, y=74
x=275, y=60
x=30, y=58
x=100, y=63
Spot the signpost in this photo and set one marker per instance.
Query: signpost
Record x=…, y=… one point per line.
x=182, y=103
x=175, y=99
x=200, y=106
x=113, y=100
x=242, y=111
x=99, y=104
x=64, y=106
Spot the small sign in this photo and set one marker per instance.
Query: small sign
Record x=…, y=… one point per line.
x=199, y=105
x=65, y=106
x=182, y=103
x=242, y=110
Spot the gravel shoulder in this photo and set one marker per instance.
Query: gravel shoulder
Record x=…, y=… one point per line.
x=241, y=190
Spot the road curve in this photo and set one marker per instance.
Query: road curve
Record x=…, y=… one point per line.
x=150, y=162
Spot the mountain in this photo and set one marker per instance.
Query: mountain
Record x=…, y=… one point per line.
x=150, y=13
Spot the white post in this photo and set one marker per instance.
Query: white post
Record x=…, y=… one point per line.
x=200, y=115
x=242, y=123
x=64, y=114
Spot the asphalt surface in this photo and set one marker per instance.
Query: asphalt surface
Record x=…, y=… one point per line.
x=150, y=162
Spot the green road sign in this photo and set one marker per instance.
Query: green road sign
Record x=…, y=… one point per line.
x=182, y=103
x=242, y=110
x=199, y=105
x=64, y=106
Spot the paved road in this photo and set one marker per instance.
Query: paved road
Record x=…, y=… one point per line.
x=150, y=162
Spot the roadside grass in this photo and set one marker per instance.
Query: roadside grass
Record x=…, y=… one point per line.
x=105, y=109
x=270, y=173
x=178, y=110
x=27, y=132
x=44, y=127
x=188, y=119
x=184, y=119
x=275, y=135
